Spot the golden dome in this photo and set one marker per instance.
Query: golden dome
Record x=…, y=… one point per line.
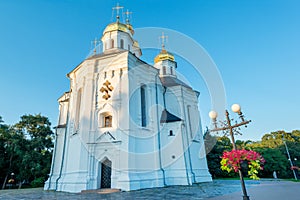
x=136, y=44
x=117, y=26
x=164, y=55
x=130, y=28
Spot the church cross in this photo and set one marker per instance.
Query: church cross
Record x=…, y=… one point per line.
x=95, y=43
x=106, y=89
x=117, y=8
x=127, y=13
x=163, y=38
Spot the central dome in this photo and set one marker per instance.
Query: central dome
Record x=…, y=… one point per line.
x=164, y=55
x=117, y=26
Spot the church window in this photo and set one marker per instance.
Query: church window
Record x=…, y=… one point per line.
x=105, y=75
x=121, y=72
x=122, y=43
x=171, y=133
x=143, y=106
x=78, y=104
x=164, y=70
x=171, y=70
x=107, y=121
x=189, y=120
x=112, y=73
x=112, y=43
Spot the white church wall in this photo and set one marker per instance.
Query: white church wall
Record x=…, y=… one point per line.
x=143, y=154
x=173, y=159
x=132, y=147
x=117, y=36
x=199, y=164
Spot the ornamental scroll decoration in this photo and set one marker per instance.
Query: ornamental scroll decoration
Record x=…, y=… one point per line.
x=106, y=89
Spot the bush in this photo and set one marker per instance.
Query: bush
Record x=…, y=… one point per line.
x=38, y=182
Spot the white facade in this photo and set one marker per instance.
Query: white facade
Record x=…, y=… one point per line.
x=126, y=124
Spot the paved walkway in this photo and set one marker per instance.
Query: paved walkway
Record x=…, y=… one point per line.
x=273, y=190
x=217, y=190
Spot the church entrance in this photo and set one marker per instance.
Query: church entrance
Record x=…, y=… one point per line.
x=106, y=174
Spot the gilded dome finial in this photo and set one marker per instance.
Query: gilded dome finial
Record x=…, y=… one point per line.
x=127, y=13
x=95, y=44
x=164, y=39
x=164, y=54
x=117, y=8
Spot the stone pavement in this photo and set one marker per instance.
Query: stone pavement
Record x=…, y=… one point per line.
x=273, y=190
x=216, y=190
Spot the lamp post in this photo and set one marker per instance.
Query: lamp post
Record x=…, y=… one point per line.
x=289, y=157
x=232, y=129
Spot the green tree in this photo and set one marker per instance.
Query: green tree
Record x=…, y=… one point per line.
x=221, y=144
x=36, y=160
x=271, y=147
x=275, y=161
x=11, y=150
x=274, y=151
x=26, y=149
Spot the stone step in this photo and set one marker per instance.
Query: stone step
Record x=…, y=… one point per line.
x=102, y=191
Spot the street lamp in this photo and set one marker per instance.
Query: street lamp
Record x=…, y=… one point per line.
x=232, y=129
x=289, y=157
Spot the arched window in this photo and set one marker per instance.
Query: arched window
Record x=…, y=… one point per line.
x=143, y=106
x=164, y=70
x=112, y=43
x=78, y=104
x=171, y=70
x=189, y=121
x=171, y=133
x=107, y=121
x=122, y=44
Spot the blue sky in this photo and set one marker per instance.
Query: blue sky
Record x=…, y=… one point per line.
x=254, y=43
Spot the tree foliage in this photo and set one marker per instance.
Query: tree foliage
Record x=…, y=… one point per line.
x=26, y=149
x=271, y=147
x=214, y=153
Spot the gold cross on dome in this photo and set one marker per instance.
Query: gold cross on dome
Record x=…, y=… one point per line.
x=117, y=8
x=127, y=13
x=164, y=39
x=95, y=43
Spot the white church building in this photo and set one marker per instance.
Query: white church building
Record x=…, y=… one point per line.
x=127, y=124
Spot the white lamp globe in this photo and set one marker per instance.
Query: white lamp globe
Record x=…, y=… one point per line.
x=213, y=114
x=236, y=108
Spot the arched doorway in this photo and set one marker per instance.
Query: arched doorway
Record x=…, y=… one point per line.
x=106, y=173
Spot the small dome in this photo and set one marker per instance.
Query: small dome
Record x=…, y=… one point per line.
x=136, y=44
x=164, y=55
x=117, y=26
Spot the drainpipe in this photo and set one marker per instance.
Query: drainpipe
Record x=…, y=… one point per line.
x=189, y=150
x=187, y=138
x=185, y=161
x=64, y=147
x=158, y=134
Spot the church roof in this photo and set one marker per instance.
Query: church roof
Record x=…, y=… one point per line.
x=167, y=117
x=117, y=26
x=164, y=55
x=107, y=53
x=169, y=81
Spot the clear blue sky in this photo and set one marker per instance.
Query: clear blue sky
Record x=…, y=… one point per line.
x=254, y=43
